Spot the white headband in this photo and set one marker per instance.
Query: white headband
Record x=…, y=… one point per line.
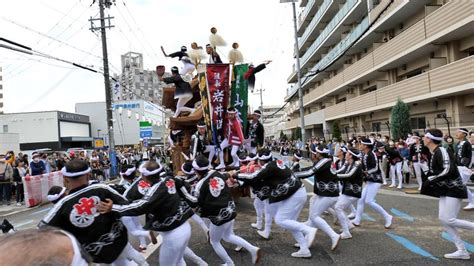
x=428, y=135
x=298, y=157
x=129, y=171
x=265, y=157
x=255, y=113
x=186, y=172
x=201, y=126
x=145, y=171
x=354, y=154
x=197, y=167
x=367, y=143
x=55, y=197
x=324, y=151
x=246, y=159
x=69, y=174
x=231, y=112
x=463, y=131
x=252, y=158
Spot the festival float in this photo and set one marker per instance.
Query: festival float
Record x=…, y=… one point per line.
x=202, y=90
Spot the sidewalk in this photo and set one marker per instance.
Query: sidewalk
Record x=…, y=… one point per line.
x=7, y=210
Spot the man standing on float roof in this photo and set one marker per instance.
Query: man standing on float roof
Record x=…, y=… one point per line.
x=255, y=133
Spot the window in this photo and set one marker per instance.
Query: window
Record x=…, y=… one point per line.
x=414, y=73
x=376, y=126
x=5, y=128
x=418, y=123
x=340, y=100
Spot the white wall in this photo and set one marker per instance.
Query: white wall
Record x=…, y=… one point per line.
x=32, y=127
x=68, y=129
x=9, y=142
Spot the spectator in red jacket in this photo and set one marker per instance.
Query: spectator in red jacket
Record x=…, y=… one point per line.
x=233, y=137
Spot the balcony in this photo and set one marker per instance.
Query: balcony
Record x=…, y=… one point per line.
x=305, y=16
x=449, y=79
x=409, y=43
x=329, y=29
x=317, y=117
x=310, y=29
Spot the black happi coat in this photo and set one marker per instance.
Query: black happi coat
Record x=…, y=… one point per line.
x=214, y=198
x=256, y=133
x=325, y=180
x=137, y=190
x=444, y=175
x=164, y=208
x=352, y=179
x=182, y=88
x=464, y=153
x=295, y=167
x=419, y=153
x=278, y=177
x=103, y=236
x=370, y=164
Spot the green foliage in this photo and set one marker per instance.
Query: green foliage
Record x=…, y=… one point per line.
x=296, y=134
x=336, y=130
x=400, y=120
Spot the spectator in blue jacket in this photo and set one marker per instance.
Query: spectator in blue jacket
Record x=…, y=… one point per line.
x=37, y=166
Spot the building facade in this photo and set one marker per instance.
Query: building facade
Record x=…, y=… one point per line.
x=55, y=130
x=273, y=121
x=127, y=116
x=136, y=83
x=359, y=56
x=1, y=91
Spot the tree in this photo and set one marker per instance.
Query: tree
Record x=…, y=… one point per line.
x=296, y=134
x=400, y=120
x=283, y=136
x=336, y=130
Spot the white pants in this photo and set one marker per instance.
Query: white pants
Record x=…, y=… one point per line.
x=226, y=232
x=448, y=212
x=419, y=169
x=342, y=203
x=250, y=149
x=383, y=170
x=174, y=244
x=190, y=255
x=368, y=197
x=180, y=105
x=235, y=158
x=129, y=254
x=259, y=206
x=197, y=219
x=396, y=171
x=310, y=209
x=466, y=175
x=320, y=205
x=136, y=229
x=287, y=212
x=212, y=151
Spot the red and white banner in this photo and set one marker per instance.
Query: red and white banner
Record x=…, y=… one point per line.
x=218, y=84
x=37, y=187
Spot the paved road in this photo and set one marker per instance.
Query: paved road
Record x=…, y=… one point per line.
x=416, y=238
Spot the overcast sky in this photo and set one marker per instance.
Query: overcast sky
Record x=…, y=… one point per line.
x=263, y=28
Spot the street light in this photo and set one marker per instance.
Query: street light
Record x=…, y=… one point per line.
x=98, y=132
x=298, y=69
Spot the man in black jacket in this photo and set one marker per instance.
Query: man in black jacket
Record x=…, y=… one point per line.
x=103, y=236
x=254, y=133
x=463, y=161
x=445, y=183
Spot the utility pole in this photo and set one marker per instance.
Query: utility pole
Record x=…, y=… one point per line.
x=298, y=74
x=108, y=94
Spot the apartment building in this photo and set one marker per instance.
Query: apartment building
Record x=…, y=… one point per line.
x=273, y=120
x=1, y=91
x=359, y=56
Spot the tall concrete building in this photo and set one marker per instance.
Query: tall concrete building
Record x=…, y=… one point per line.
x=359, y=56
x=1, y=91
x=140, y=84
x=273, y=120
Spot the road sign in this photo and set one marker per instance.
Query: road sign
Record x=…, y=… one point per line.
x=146, y=130
x=98, y=142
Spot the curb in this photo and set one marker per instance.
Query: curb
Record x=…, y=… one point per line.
x=25, y=209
